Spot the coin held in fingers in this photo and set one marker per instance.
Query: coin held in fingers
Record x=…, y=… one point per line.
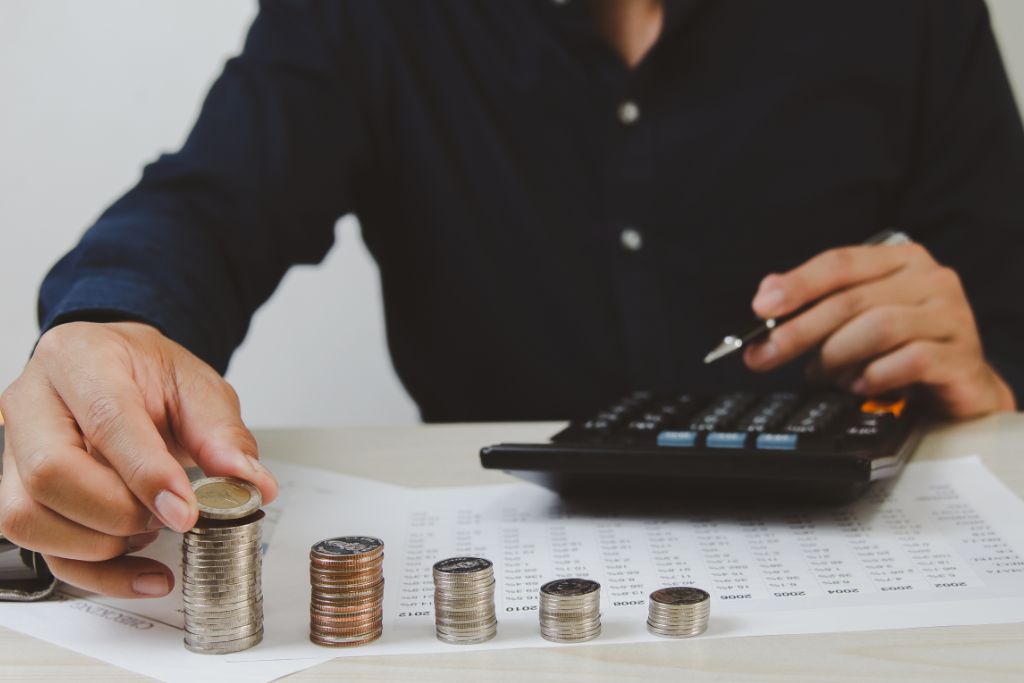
x=226, y=497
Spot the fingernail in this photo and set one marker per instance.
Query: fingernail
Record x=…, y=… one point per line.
x=768, y=299
x=262, y=469
x=141, y=540
x=254, y=465
x=859, y=387
x=151, y=584
x=175, y=512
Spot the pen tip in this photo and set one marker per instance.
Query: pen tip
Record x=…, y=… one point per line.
x=728, y=345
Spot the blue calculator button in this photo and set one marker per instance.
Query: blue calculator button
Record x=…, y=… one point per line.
x=726, y=440
x=677, y=439
x=777, y=442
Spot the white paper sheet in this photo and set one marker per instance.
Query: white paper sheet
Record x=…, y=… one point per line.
x=944, y=545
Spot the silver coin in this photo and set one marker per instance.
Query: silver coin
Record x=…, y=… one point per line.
x=673, y=633
x=210, y=530
x=347, y=546
x=249, y=562
x=224, y=647
x=570, y=587
x=474, y=640
x=199, y=606
x=220, y=633
x=195, y=544
x=214, y=529
x=563, y=639
x=341, y=640
x=216, y=637
x=233, y=619
x=462, y=565
x=220, y=584
x=200, y=596
x=220, y=547
x=221, y=591
x=248, y=571
x=680, y=595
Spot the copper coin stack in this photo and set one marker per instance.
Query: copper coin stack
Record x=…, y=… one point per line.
x=464, y=600
x=678, y=612
x=221, y=568
x=570, y=610
x=347, y=580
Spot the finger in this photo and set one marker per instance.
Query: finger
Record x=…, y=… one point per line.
x=123, y=577
x=879, y=331
x=809, y=329
x=208, y=423
x=30, y=525
x=919, y=362
x=830, y=271
x=58, y=472
x=108, y=407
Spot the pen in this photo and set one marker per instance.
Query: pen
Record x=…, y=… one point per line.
x=734, y=342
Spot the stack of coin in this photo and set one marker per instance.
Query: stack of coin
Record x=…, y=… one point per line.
x=346, y=575
x=678, y=612
x=464, y=600
x=221, y=568
x=570, y=610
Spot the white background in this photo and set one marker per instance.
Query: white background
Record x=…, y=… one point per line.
x=90, y=91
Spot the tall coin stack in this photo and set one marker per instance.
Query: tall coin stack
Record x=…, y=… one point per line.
x=678, y=612
x=464, y=600
x=221, y=568
x=570, y=610
x=347, y=580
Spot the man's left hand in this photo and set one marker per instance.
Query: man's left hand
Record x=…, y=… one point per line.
x=883, y=318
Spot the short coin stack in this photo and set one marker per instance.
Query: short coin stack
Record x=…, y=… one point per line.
x=570, y=610
x=678, y=612
x=221, y=568
x=464, y=600
x=347, y=580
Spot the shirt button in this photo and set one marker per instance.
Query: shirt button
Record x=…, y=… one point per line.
x=629, y=112
x=631, y=239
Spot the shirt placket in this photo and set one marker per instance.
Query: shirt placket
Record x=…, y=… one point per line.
x=632, y=235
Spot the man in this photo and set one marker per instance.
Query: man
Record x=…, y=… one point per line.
x=566, y=200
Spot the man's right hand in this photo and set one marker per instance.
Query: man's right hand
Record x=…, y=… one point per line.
x=99, y=428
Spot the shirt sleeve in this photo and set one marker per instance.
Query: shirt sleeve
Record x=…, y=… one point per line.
x=964, y=197
x=208, y=232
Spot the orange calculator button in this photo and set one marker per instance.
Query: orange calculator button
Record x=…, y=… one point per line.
x=877, y=407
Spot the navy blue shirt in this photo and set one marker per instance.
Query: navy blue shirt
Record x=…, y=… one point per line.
x=552, y=227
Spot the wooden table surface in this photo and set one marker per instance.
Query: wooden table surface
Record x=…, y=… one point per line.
x=447, y=455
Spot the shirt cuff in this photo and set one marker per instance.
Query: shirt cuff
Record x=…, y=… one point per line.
x=121, y=297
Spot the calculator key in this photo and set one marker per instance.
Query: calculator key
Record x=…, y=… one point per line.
x=777, y=442
x=685, y=439
x=816, y=415
x=722, y=413
x=726, y=440
x=769, y=414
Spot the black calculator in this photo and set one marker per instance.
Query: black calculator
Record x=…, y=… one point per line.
x=810, y=445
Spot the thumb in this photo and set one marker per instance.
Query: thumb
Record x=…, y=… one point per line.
x=208, y=424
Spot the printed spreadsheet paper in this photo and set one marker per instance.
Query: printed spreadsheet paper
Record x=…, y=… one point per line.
x=944, y=545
